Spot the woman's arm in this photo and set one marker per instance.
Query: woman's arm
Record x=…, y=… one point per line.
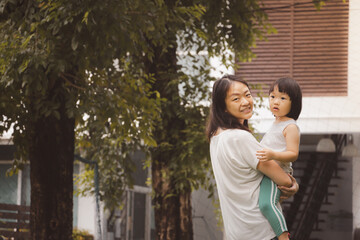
x=287, y=192
x=275, y=173
x=244, y=146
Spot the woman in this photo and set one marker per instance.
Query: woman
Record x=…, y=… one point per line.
x=237, y=170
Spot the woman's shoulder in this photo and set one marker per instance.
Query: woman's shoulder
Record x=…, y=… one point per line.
x=237, y=141
x=233, y=134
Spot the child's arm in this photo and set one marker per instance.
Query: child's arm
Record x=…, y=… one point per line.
x=292, y=137
x=275, y=173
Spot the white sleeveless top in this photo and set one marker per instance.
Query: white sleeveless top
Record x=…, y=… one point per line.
x=274, y=139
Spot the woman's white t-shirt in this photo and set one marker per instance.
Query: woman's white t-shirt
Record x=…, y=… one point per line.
x=234, y=162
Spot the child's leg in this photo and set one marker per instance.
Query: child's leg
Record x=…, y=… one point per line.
x=269, y=197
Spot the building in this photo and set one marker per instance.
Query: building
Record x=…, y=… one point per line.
x=320, y=50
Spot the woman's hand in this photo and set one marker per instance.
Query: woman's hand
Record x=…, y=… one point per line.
x=287, y=192
x=265, y=155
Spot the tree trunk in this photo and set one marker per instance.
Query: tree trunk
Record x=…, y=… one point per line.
x=173, y=218
x=166, y=205
x=51, y=157
x=186, y=224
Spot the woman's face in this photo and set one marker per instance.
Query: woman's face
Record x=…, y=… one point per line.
x=239, y=102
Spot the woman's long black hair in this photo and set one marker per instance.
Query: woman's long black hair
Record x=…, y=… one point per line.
x=218, y=117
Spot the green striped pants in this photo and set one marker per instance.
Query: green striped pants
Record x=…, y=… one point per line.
x=268, y=199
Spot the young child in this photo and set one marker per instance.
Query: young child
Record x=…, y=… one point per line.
x=281, y=143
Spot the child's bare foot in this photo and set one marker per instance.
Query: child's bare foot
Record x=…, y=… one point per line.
x=284, y=236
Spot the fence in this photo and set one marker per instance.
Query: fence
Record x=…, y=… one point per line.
x=14, y=221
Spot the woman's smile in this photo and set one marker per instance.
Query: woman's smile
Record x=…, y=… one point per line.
x=246, y=110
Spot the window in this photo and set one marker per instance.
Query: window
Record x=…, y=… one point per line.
x=310, y=46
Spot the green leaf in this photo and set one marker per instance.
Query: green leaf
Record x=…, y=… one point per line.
x=74, y=43
x=85, y=18
x=23, y=66
x=26, y=41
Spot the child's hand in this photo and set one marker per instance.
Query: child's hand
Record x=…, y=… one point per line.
x=265, y=155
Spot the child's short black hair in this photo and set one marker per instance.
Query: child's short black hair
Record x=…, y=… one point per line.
x=290, y=87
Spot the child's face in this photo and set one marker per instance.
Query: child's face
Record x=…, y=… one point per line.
x=280, y=103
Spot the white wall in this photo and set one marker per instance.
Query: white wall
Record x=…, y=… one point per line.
x=354, y=77
x=86, y=212
x=205, y=222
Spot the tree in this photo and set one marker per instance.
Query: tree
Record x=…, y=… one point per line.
x=57, y=66
x=179, y=162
